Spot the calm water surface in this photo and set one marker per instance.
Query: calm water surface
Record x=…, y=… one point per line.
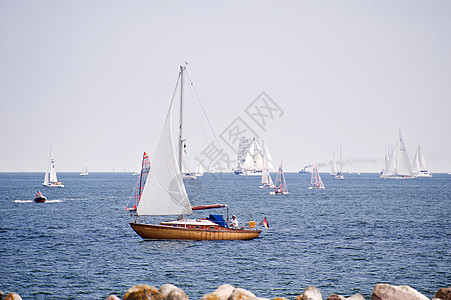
x=358, y=232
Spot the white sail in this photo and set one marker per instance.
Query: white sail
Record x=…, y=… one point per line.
x=164, y=192
x=199, y=170
x=419, y=163
x=267, y=156
x=50, y=175
x=249, y=161
x=398, y=165
x=85, y=170
x=419, y=167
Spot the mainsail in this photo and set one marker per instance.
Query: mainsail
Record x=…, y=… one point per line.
x=164, y=192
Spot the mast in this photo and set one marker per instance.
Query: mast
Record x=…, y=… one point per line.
x=341, y=160
x=181, y=120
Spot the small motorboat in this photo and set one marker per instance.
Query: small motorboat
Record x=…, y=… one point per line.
x=39, y=198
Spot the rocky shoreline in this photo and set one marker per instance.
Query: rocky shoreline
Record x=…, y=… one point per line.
x=229, y=292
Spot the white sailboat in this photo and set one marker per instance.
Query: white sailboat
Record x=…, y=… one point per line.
x=280, y=187
x=266, y=177
x=50, y=178
x=84, y=172
x=398, y=166
x=315, y=181
x=199, y=170
x=164, y=194
x=419, y=168
x=339, y=174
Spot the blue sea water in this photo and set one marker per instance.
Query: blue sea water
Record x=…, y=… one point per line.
x=357, y=232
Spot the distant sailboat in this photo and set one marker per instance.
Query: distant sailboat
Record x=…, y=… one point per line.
x=137, y=191
x=280, y=187
x=419, y=164
x=199, y=170
x=84, y=172
x=339, y=174
x=398, y=166
x=316, y=182
x=266, y=177
x=50, y=178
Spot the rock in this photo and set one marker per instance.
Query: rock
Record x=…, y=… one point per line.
x=335, y=297
x=242, y=294
x=391, y=292
x=221, y=293
x=310, y=293
x=338, y=297
x=171, y=292
x=113, y=297
x=356, y=297
x=443, y=293
x=143, y=292
x=12, y=296
x=1, y=295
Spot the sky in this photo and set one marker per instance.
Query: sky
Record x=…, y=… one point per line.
x=94, y=79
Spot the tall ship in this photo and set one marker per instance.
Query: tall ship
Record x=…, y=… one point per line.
x=252, y=157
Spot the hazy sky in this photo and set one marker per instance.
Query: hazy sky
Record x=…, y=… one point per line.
x=94, y=78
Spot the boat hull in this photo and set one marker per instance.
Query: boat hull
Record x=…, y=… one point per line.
x=161, y=232
x=40, y=199
x=53, y=185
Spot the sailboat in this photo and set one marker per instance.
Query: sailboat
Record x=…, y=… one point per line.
x=398, y=166
x=315, y=181
x=419, y=168
x=266, y=177
x=84, y=172
x=199, y=170
x=339, y=174
x=164, y=194
x=137, y=191
x=280, y=187
x=50, y=178
x=333, y=166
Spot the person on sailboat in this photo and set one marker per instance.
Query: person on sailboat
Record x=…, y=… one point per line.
x=234, y=221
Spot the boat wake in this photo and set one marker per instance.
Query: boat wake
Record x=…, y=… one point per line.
x=31, y=201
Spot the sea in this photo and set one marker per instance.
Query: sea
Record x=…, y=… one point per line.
x=358, y=232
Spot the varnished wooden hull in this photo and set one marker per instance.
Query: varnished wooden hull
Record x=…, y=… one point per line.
x=161, y=232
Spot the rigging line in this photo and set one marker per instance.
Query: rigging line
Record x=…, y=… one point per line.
x=205, y=114
x=209, y=123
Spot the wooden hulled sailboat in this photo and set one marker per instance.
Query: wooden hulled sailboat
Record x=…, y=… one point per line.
x=164, y=194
